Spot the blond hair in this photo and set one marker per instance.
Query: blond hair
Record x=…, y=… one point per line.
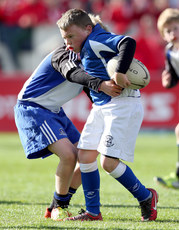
x=97, y=20
x=166, y=17
x=80, y=18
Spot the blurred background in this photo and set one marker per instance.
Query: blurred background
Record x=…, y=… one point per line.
x=28, y=32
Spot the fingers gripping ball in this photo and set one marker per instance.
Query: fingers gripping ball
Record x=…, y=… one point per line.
x=137, y=73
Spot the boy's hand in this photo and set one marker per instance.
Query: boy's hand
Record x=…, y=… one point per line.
x=166, y=79
x=110, y=88
x=121, y=80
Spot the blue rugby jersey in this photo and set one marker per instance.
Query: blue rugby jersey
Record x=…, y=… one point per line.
x=48, y=88
x=99, y=47
x=48, y=85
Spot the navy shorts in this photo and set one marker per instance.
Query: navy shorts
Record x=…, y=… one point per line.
x=39, y=127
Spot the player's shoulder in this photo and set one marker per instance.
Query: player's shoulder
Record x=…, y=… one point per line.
x=103, y=36
x=61, y=56
x=59, y=52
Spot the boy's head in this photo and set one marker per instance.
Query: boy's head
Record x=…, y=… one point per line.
x=167, y=22
x=76, y=17
x=75, y=25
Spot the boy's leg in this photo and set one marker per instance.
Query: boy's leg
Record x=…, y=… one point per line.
x=67, y=153
x=91, y=186
x=75, y=184
x=124, y=175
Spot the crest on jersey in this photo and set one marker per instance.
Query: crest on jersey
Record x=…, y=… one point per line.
x=62, y=132
x=108, y=141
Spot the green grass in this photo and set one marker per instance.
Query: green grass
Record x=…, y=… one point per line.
x=27, y=186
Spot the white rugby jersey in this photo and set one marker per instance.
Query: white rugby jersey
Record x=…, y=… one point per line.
x=49, y=88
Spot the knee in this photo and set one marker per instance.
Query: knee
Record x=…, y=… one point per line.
x=103, y=162
x=109, y=164
x=87, y=156
x=70, y=156
x=105, y=165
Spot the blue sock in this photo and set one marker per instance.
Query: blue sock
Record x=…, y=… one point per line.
x=71, y=192
x=133, y=185
x=91, y=186
x=61, y=200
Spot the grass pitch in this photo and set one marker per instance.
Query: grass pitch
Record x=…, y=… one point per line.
x=27, y=186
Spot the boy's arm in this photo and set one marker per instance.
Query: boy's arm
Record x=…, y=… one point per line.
x=126, y=54
x=66, y=62
x=169, y=70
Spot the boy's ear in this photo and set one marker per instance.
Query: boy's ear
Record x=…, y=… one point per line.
x=89, y=28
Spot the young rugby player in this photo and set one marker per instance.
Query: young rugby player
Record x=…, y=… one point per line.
x=113, y=124
x=168, y=26
x=43, y=126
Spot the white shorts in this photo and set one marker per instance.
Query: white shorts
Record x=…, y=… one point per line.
x=112, y=129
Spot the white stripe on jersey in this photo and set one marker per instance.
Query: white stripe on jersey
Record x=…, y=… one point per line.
x=73, y=56
x=48, y=133
x=70, y=64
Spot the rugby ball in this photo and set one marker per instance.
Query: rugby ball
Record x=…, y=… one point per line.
x=137, y=73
